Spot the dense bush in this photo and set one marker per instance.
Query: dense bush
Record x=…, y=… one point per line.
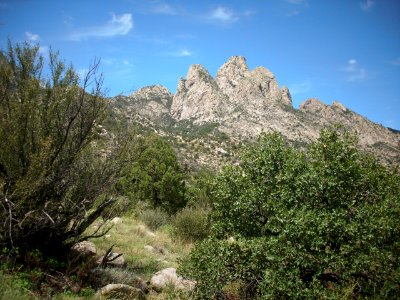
x=52, y=169
x=198, y=189
x=294, y=225
x=154, y=218
x=155, y=175
x=191, y=224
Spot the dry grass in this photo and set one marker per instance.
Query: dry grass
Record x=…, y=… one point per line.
x=130, y=238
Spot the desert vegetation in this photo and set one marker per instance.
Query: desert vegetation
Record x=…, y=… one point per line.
x=279, y=223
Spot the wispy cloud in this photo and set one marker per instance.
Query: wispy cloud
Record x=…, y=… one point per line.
x=300, y=88
x=119, y=25
x=180, y=53
x=354, y=71
x=222, y=15
x=164, y=9
x=396, y=62
x=32, y=37
x=367, y=5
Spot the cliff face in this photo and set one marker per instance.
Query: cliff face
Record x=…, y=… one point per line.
x=244, y=102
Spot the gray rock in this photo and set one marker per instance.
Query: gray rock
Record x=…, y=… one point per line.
x=168, y=277
x=85, y=248
x=149, y=248
x=120, y=291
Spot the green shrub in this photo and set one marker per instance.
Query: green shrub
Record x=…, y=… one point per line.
x=307, y=225
x=191, y=224
x=52, y=170
x=155, y=175
x=153, y=218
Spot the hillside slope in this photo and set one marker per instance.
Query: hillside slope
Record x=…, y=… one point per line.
x=238, y=104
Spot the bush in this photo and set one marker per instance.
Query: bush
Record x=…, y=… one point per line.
x=155, y=175
x=306, y=225
x=52, y=169
x=191, y=224
x=153, y=218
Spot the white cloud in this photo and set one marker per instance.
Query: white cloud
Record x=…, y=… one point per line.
x=164, y=9
x=180, y=53
x=32, y=37
x=223, y=15
x=43, y=50
x=119, y=25
x=300, y=88
x=367, y=5
x=354, y=71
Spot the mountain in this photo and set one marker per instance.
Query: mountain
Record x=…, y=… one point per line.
x=239, y=104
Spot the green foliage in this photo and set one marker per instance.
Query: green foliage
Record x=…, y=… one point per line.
x=191, y=224
x=12, y=287
x=52, y=169
x=318, y=224
x=198, y=189
x=154, y=218
x=155, y=175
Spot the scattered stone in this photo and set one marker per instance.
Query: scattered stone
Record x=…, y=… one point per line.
x=231, y=240
x=120, y=291
x=168, y=277
x=149, y=248
x=143, y=229
x=100, y=277
x=107, y=236
x=85, y=248
x=116, y=220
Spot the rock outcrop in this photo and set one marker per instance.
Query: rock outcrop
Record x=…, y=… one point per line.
x=243, y=103
x=198, y=97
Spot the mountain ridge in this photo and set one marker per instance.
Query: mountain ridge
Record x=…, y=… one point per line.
x=243, y=103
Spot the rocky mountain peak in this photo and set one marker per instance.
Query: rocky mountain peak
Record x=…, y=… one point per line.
x=312, y=105
x=198, y=73
x=231, y=73
x=286, y=96
x=197, y=97
x=246, y=102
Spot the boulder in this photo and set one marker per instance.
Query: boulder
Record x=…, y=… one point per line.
x=85, y=248
x=168, y=277
x=120, y=291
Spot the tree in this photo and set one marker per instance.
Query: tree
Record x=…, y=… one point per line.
x=318, y=224
x=52, y=167
x=155, y=175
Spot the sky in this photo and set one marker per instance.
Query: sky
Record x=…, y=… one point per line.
x=341, y=50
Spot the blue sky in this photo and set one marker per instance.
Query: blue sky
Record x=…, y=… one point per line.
x=345, y=50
